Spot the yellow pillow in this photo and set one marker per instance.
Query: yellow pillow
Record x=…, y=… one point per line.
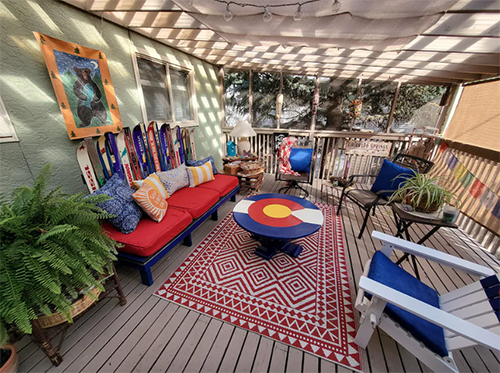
x=154, y=182
x=151, y=202
x=201, y=174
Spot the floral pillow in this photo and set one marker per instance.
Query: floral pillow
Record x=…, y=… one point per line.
x=202, y=162
x=174, y=180
x=122, y=205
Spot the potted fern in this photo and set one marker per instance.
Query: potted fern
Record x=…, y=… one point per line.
x=423, y=193
x=52, y=249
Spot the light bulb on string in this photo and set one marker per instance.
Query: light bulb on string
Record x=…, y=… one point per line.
x=298, y=14
x=228, y=15
x=267, y=15
x=336, y=6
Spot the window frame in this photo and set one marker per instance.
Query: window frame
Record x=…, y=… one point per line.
x=168, y=63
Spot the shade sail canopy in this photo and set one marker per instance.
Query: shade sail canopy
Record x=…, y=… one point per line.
x=426, y=41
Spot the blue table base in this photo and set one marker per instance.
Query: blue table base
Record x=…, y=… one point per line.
x=270, y=246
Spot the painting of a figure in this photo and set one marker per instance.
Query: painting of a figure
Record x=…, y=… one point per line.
x=82, y=84
x=84, y=89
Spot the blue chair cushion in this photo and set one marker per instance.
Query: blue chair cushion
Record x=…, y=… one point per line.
x=386, y=272
x=128, y=214
x=391, y=177
x=300, y=159
x=202, y=162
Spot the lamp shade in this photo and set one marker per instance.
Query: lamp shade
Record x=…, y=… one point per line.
x=242, y=129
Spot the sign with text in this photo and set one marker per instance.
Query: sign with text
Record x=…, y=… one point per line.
x=368, y=147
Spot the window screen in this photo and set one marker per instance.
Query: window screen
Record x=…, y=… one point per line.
x=180, y=92
x=154, y=89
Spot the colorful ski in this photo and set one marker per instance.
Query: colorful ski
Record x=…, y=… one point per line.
x=86, y=166
x=181, y=146
x=153, y=147
x=147, y=152
x=94, y=159
x=187, y=155
x=171, y=147
x=191, y=140
x=132, y=155
x=124, y=158
x=164, y=146
x=140, y=151
x=113, y=153
x=103, y=156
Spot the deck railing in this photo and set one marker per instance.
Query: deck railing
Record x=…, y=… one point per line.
x=331, y=160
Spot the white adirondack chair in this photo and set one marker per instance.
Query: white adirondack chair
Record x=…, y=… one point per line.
x=429, y=326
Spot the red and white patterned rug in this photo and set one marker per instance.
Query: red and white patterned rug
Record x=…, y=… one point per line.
x=304, y=302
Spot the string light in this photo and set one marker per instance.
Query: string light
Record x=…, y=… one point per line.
x=336, y=6
x=228, y=15
x=267, y=14
x=298, y=15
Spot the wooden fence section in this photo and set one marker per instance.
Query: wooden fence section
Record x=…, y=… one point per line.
x=476, y=219
x=331, y=160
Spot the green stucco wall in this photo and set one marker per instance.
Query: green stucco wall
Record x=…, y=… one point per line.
x=31, y=103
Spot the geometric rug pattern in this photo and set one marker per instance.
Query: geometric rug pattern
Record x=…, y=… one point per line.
x=304, y=302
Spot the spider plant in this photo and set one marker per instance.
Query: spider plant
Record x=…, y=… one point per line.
x=423, y=193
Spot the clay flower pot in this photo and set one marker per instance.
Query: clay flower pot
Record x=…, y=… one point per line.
x=10, y=365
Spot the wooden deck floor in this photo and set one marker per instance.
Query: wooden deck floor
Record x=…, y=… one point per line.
x=152, y=335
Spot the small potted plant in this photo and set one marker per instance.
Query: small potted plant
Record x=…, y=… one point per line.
x=53, y=249
x=8, y=355
x=423, y=193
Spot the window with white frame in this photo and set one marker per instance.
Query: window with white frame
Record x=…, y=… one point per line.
x=7, y=133
x=166, y=91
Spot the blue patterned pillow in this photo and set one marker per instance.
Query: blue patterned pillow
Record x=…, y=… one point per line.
x=175, y=179
x=122, y=205
x=202, y=162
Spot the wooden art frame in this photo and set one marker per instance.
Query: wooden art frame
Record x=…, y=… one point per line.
x=82, y=83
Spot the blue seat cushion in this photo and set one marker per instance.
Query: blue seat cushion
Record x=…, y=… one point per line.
x=386, y=272
x=300, y=159
x=391, y=177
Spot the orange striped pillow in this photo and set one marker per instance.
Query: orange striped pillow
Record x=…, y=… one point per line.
x=151, y=202
x=201, y=174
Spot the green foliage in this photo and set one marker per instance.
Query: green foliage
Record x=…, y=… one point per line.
x=51, y=246
x=414, y=96
x=422, y=189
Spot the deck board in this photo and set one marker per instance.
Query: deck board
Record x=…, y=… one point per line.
x=151, y=334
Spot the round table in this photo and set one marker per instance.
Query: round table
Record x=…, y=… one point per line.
x=275, y=219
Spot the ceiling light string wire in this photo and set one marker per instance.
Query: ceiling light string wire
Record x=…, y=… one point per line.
x=267, y=15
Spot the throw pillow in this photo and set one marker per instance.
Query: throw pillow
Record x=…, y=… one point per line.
x=175, y=179
x=391, y=177
x=200, y=175
x=202, y=162
x=300, y=159
x=151, y=202
x=122, y=205
x=154, y=182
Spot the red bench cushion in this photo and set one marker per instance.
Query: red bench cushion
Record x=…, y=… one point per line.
x=196, y=201
x=150, y=236
x=222, y=184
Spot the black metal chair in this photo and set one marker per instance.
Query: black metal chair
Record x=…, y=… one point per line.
x=295, y=181
x=368, y=200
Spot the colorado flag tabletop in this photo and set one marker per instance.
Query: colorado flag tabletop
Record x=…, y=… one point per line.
x=275, y=219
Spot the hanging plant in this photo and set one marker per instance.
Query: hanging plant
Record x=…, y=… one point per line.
x=355, y=108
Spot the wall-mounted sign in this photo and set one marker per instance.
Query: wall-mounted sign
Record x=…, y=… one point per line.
x=368, y=147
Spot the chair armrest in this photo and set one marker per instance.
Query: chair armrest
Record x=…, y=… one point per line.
x=380, y=192
x=352, y=177
x=432, y=314
x=391, y=243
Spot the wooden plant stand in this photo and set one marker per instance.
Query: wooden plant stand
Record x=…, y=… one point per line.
x=43, y=337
